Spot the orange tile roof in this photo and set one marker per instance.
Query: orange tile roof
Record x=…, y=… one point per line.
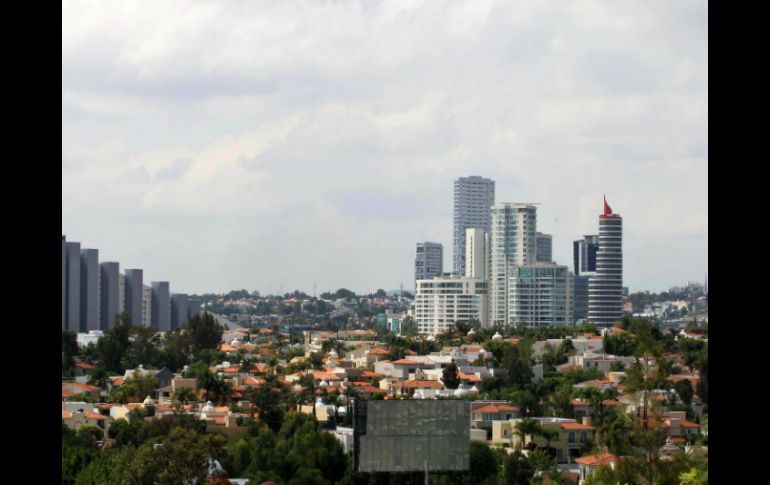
x=117, y=381
x=495, y=408
x=415, y=384
x=66, y=415
x=406, y=362
x=85, y=365
x=610, y=402
x=469, y=377
x=410, y=352
x=379, y=351
x=689, y=424
x=325, y=375
x=83, y=387
x=576, y=427
x=576, y=402
x=369, y=389
x=597, y=460
x=97, y=416
x=368, y=373
x=66, y=393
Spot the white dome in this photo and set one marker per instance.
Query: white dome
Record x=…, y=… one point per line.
x=333, y=355
x=148, y=401
x=473, y=389
x=482, y=352
x=319, y=403
x=497, y=336
x=460, y=392
x=431, y=338
x=417, y=395
x=471, y=332
x=323, y=383
x=342, y=410
x=236, y=343
x=208, y=408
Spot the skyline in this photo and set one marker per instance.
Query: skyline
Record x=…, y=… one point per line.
x=256, y=146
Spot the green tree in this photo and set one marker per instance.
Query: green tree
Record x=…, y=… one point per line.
x=518, y=367
x=684, y=390
x=204, y=333
x=449, y=376
x=69, y=349
x=703, y=382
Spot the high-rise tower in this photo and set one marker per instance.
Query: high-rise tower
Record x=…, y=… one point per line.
x=511, y=243
x=428, y=261
x=605, y=288
x=474, y=196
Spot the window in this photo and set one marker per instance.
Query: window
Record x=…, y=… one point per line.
x=571, y=438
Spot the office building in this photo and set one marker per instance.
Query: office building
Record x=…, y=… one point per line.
x=89, y=290
x=473, y=198
x=580, y=285
x=476, y=243
x=429, y=260
x=146, y=305
x=584, y=254
x=543, y=248
x=605, y=289
x=109, y=294
x=122, y=296
x=442, y=301
x=161, y=306
x=73, y=287
x=134, y=291
x=511, y=243
x=540, y=295
x=179, y=310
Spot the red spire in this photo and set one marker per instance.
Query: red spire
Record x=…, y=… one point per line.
x=607, y=208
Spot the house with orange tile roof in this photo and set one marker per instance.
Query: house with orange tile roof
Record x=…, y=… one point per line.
x=589, y=464
x=420, y=389
x=571, y=436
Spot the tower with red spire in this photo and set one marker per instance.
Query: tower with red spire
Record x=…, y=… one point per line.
x=605, y=287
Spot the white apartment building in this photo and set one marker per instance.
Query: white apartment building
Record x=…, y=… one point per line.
x=511, y=243
x=476, y=242
x=444, y=300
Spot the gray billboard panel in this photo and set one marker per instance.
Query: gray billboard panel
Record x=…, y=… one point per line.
x=408, y=435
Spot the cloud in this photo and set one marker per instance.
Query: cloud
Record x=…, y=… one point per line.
x=244, y=144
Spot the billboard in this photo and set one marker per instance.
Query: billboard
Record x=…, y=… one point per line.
x=411, y=435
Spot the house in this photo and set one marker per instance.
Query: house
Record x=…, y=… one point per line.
x=86, y=416
x=589, y=464
x=417, y=389
x=163, y=376
x=74, y=388
x=570, y=436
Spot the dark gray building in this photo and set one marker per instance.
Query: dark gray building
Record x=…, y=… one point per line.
x=179, y=310
x=134, y=293
x=161, y=306
x=72, y=296
x=89, y=289
x=193, y=308
x=63, y=282
x=584, y=254
x=581, y=296
x=429, y=260
x=473, y=198
x=109, y=294
x=543, y=248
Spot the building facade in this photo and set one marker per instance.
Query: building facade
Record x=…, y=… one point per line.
x=63, y=282
x=540, y=295
x=109, y=294
x=161, y=306
x=580, y=285
x=73, y=286
x=473, y=198
x=605, y=288
x=134, y=292
x=444, y=300
x=476, y=243
x=179, y=310
x=543, y=248
x=429, y=260
x=146, y=305
x=89, y=290
x=584, y=254
x=511, y=244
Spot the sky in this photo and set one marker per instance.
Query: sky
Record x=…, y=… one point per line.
x=278, y=145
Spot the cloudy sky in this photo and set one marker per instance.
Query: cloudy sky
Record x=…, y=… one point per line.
x=260, y=145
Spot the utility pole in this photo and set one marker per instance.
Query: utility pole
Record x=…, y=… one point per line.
x=426, y=472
